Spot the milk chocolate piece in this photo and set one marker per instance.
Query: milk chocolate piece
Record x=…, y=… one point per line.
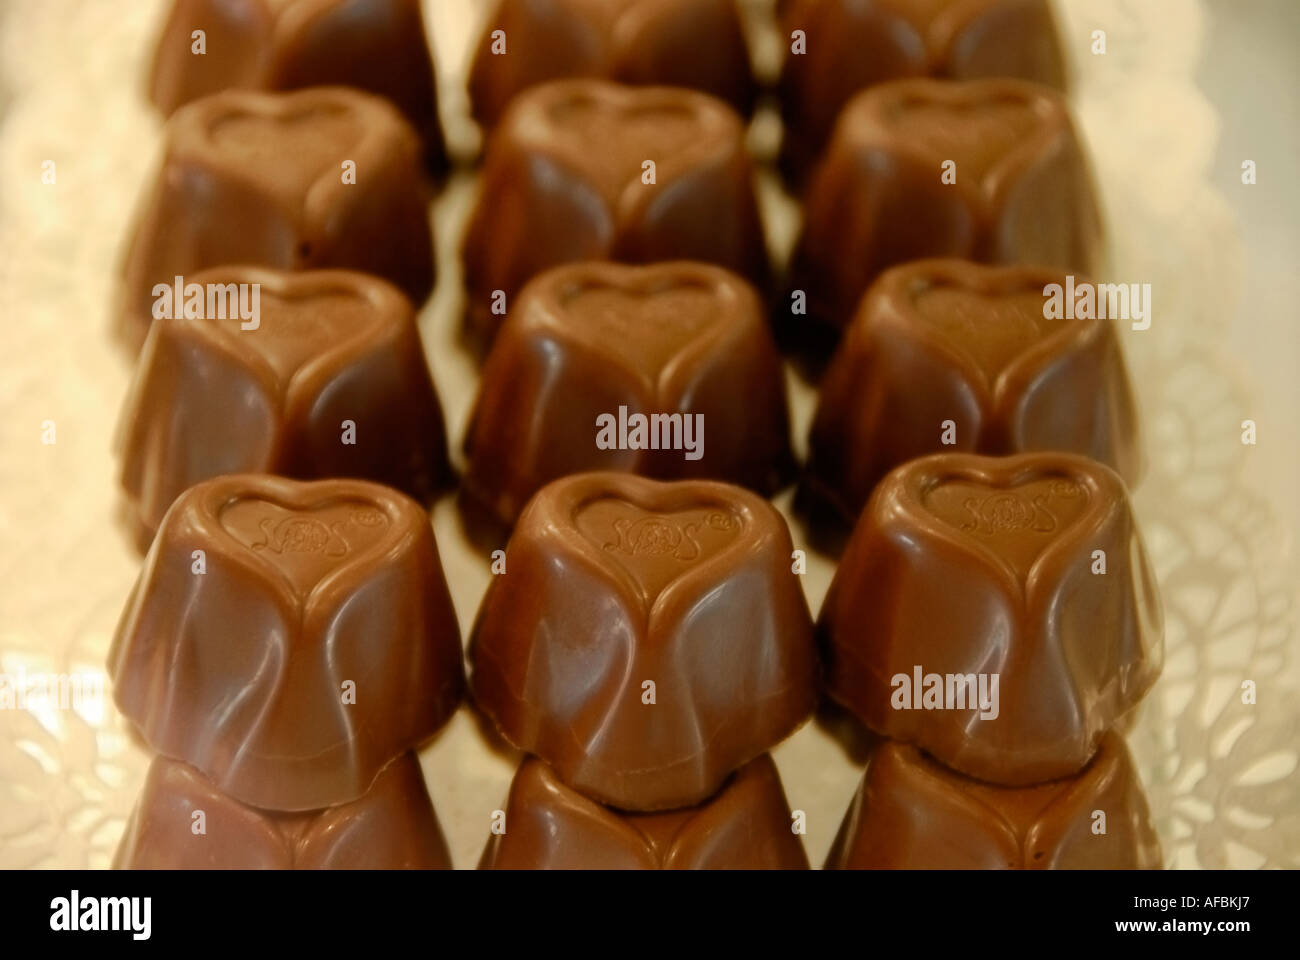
x=378, y=46
x=949, y=340
x=289, y=639
x=327, y=177
x=1022, y=194
x=673, y=43
x=853, y=44
x=673, y=340
x=328, y=347
x=391, y=827
x=550, y=826
x=965, y=572
x=911, y=813
x=565, y=179
x=619, y=590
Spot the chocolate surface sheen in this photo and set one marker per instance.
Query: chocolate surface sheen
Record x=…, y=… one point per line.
x=967, y=570
x=391, y=827
x=211, y=397
x=911, y=813
x=948, y=340
x=682, y=340
x=550, y=826
x=566, y=176
x=261, y=179
x=697, y=44
x=619, y=590
x=310, y=642
x=1022, y=193
x=378, y=46
x=855, y=44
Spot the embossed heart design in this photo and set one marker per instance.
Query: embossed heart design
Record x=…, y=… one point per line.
x=1016, y=523
x=992, y=329
x=609, y=137
x=976, y=133
x=298, y=326
x=295, y=146
x=655, y=549
x=647, y=322
x=305, y=544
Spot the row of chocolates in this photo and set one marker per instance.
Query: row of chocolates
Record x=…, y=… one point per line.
x=288, y=644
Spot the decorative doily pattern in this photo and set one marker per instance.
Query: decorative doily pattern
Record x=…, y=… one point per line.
x=1222, y=775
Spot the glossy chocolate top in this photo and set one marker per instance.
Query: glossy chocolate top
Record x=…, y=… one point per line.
x=217, y=394
x=606, y=131
x=998, y=612
x=911, y=813
x=951, y=340
x=991, y=129
x=697, y=44
x=588, y=339
x=391, y=827
x=289, y=639
x=550, y=826
x=292, y=144
x=646, y=638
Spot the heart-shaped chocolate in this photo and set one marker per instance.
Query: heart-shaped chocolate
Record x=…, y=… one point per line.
x=976, y=127
x=998, y=612
x=912, y=812
x=311, y=317
x=746, y=825
x=993, y=329
x=593, y=341
x=648, y=318
x=619, y=587
x=289, y=639
x=607, y=132
x=297, y=144
x=393, y=826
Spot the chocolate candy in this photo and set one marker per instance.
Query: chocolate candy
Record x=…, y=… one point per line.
x=289, y=639
x=684, y=347
x=674, y=43
x=391, y=827
x=998, y=612
x=549, y=826
x=646, y=638
x=588, y=170
x=374, y=45
x=849, y=45
x=333, y=356
x=326, y=177
x=987, y=170
x=911, y=813
x=946, y=350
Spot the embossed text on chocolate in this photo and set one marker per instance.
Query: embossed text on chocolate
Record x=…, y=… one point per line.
x=658, y=431
x=946, y=691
